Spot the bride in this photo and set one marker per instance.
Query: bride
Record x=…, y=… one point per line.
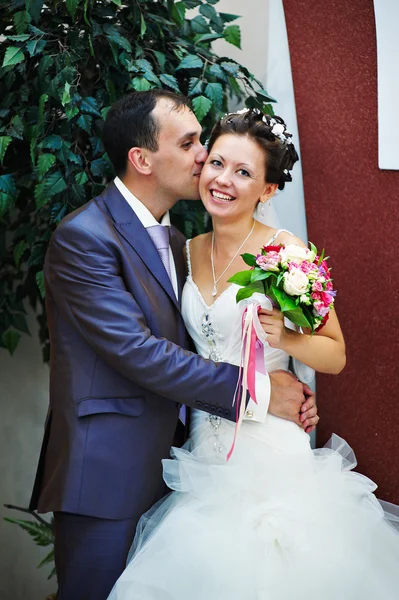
x=278, y=521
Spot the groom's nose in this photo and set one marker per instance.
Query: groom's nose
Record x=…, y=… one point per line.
x=201, y=155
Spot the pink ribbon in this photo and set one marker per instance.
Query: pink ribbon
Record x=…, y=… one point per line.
x=252, y=360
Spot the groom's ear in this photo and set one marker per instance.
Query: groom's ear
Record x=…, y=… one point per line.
x=139, y=159
x=269, y=191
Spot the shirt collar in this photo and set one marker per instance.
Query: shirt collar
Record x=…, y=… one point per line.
x=140, y=210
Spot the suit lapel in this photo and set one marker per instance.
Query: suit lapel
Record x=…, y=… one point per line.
x=132, y=230
x=177, y=251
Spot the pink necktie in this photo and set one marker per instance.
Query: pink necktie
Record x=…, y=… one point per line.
x=160, y=236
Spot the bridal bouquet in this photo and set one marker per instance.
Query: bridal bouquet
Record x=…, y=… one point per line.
x=296, y=280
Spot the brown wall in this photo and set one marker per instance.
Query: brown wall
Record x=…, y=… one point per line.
x=352, y=210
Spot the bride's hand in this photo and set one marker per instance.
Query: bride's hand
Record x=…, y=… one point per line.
x=272, y=322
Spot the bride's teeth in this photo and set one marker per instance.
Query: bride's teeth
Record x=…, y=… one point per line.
x=221, y=196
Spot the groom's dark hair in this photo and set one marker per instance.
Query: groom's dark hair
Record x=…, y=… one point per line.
x=130, y=123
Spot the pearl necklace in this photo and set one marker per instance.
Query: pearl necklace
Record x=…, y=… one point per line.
x=215, y=281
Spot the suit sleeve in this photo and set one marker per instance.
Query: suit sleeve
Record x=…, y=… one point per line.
x=82, y=274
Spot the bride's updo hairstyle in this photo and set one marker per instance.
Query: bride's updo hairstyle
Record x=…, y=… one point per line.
x=269, y=133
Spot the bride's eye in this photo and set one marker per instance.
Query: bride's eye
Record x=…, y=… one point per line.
x=244, y=172
x=215, y=162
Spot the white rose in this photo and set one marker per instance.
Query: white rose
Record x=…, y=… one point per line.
x=294, y=253
x=296, y=283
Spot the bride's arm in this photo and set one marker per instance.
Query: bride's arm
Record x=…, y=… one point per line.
x=323, y=351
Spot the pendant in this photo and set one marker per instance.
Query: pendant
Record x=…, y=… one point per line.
x=214, y=291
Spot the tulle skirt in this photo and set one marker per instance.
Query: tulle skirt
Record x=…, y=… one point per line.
x=267, y=525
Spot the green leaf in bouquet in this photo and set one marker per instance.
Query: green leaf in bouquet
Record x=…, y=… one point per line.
x=260, y=275
x=313, y=248
x=285, y=301
x=321, y=258
x=297, y=316
x=280, y=278
x=249, y=259
x=249, y=290
x=242, y=277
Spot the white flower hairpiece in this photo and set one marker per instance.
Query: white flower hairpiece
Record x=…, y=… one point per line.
x=277, y=129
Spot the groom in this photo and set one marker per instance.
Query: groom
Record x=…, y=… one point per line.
x=120, y=365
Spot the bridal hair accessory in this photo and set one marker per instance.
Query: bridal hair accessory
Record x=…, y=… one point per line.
x=276, y=124
x=216, y=281
x=296, y=281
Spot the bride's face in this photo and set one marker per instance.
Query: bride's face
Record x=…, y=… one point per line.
x=233, y=177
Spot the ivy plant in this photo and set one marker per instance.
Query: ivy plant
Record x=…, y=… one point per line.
x=63, y=63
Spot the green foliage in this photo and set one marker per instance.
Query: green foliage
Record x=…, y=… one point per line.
x=63, y=63
x=40, y=530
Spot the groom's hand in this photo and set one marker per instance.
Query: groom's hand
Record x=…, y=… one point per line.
x=291, y=400
x=309, y=417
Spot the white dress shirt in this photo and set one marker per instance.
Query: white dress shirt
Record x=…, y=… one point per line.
x=254, y=412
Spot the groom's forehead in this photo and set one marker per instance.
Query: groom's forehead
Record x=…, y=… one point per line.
x=175, y=121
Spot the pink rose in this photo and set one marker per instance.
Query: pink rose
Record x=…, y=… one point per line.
x=306, y=267
x=329, y=286
x=316, y=296
x=327, y=299
x=317, y=287
x=292, y=265
x=323, y=265
x=320, y=309
x=268, y=262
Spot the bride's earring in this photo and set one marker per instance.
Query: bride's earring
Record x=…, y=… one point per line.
x=262, y=209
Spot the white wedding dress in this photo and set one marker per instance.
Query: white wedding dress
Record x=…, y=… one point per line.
x=279, y=521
